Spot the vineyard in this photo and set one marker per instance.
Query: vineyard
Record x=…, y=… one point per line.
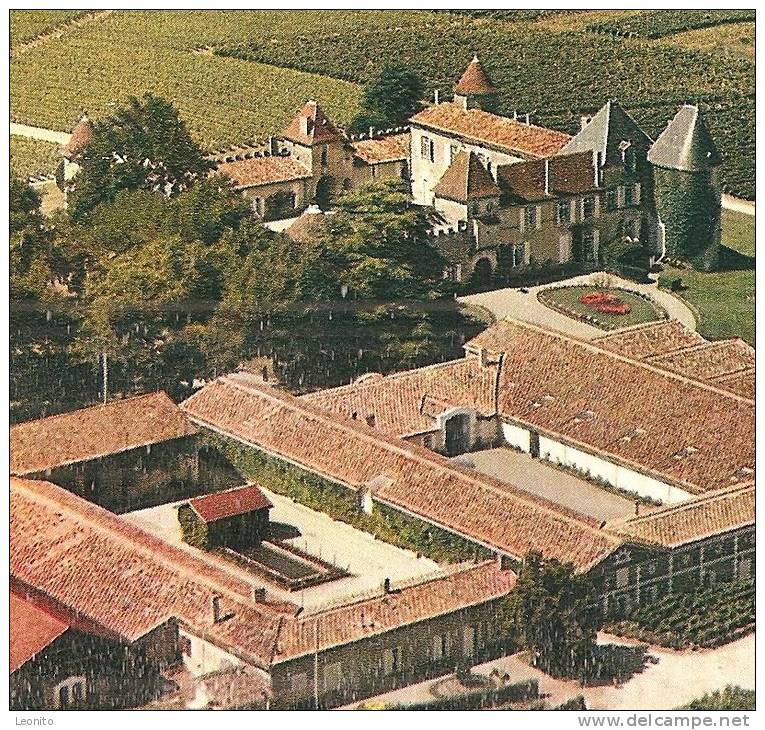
x=33, y=157
x=706, y=618
x=661, y=23
x=28, y=24
x=239, y=74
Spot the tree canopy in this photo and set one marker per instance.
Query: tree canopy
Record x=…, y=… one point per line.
x=389, y=100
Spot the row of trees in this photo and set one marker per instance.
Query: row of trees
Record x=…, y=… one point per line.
x=158, y=273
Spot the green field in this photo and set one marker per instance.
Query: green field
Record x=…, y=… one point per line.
x=33, y=157
x=569, y=297
x=724, y=299
x=28, y=24
x=546, y=64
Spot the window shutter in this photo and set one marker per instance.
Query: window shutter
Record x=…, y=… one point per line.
x=596, y=213
x=581, y=209
x=636, y=194
x=522, y=219
x=539, y=217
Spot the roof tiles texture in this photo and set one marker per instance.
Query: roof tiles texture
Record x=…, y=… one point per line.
x=502, y=133
x=466, y=179
x=390, y=148
x=31, y=630
x=312, y=126
x=648, y=340
x=566, y=175
x=229, y=503
x=263, y=171
x=475, y=80
x=90, y=433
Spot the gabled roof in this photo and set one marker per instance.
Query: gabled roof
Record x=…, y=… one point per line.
x=262, y=171
x=567, y=175
x=390, y=148
x=607, y=129
x=320, y=129
x=229, y=503
x=82, y=134
x=686, y=144
x=466, y=179
x=32, y=629
x=501, y=133
x=713, y=514
x=647, y=340
x=90, y=433
x=475, y=81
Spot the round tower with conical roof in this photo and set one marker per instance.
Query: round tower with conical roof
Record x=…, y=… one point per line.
x=475, y=89
x=687, y=189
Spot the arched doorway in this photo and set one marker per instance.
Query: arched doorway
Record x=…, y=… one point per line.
x=324, y=192
x=458, y=434
x=482, y=272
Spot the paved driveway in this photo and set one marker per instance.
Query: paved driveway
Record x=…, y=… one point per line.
x=544, y=480
x=526, y=307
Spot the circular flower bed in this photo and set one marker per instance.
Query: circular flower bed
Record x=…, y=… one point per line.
x=605, y=303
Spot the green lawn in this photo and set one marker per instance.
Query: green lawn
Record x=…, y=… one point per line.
x=569, y=298
x=724, y=299
x=33, y=157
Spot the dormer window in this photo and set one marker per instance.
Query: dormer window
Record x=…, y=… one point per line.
x=584, y=416
x=742, y=473
x=685, y=452
x=632, y=435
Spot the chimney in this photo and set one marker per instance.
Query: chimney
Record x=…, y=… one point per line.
x=435, y=97
x=526, y=118
x=483, y=357
x=515, y=115
x=387, y=585
x=216, y=609
x=371, y=132
x=547, y=176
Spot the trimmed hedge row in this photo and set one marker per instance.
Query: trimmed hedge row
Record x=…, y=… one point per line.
x=491, y=697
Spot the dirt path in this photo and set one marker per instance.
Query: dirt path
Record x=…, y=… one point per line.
x=738, y=204
x=47, y=135
x=57, y=32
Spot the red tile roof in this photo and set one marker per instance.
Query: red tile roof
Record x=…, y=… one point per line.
x=466, y=179
x=32, y=629
x=320, y=129
x=94, y=432
x=712, y=514
x=399, y=401
x=263, y=171
x=475, y=81
x=462, y=588
x=383, y=149
x=647, y=340
x=566, y=175
x=502, y=516
x=742, y=383
x=709, y=360
x=82, y=134
x=238, y=501
x=673, y=412
x=507, y=135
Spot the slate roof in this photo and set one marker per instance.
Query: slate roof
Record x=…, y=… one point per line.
x=475, y=81
x=686, y=144
x=466, y=179
x=231, y=502
x=419, y=481
x=712, y=514
x=90, y=433
x=502, y=133
x=320, y=130
x=548, y=380
x=264, y=170
x=572, y=174
x=604, y=133
x=31, y=630
x=390, y=148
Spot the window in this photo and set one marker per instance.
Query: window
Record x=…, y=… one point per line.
x=629, y=195
x=424, y=147
x=325, y=156
x=530, y=218
x=257, y=206
x=589, y=207
x=622, y=577
x=69, y=694
x=519, y=254
x=612, y=200
x=437, y=648
x=453, y=152
x=564, y=211
x=391, y=661
x=630, y=161
x=374, y=171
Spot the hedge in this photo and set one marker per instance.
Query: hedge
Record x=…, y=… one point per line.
x=485, y=698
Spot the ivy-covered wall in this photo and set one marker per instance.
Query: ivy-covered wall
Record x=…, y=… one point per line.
x=194, y=530
x=340, y=503
x=689, y=206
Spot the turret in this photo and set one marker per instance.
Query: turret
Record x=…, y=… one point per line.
x=475, y=89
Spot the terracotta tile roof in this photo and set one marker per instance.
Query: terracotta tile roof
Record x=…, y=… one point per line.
x=475, y=81
x=94, y=432
x=417, y=480
x=82, y=134
x=742, y=383
x=32, y=629
x=567, y=175
x=507, y=135
x=307, y=225
x=125, y=580
x=693, y=435
x=712, y=514
x=398, y=402
x=462, y=588
x=319, y=129
x=238, y=501
x=648, y=340
x=466, y=179
x=263, y=171
x=383, y=149
x=708, y=360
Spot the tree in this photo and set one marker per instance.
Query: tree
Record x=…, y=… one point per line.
x=145, y=145
x=390, y=99
x=553, y=611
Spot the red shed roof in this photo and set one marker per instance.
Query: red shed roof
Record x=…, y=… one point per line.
x=238, y=501
x=32, y=629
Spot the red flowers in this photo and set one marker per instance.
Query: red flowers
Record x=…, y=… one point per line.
x=604, y=303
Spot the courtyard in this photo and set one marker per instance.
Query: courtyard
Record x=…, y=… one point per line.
x=549, y=482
